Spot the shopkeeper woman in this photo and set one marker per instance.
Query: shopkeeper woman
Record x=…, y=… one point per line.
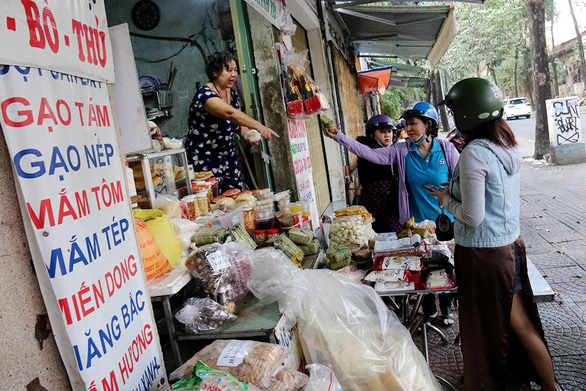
x=499, y=322
x=214, y=117
x=421, y=159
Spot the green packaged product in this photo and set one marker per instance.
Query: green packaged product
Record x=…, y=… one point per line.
x=210, y=235
x=283, y=243
x=300, y=236
x=325, y=122
x=338, y=257
x=239, y=233
x=313, y=246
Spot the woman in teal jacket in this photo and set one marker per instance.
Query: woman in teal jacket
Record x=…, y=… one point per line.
x=499, y=323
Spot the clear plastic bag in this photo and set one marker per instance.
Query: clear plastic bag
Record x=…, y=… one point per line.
x=322, y=378
x=248, y=361
x=346, y=326
x=350, y=230
x=240, y=258
x=287, y=380
x=206, y=378
x=211, y=264
x=304, y=97
x=202, y=314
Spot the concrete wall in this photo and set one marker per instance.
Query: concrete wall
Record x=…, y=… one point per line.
x=182, y=19
x=272, y=100
x=20, y=300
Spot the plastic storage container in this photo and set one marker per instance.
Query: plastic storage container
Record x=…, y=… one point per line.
x=264, y=223
x=234, y=216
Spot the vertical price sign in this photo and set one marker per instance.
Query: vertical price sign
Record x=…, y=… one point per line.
x=302, y=165
x=67, y=36
x=61, y=138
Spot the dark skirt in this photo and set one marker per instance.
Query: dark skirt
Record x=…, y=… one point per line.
x=379, y=200
x=486, y=280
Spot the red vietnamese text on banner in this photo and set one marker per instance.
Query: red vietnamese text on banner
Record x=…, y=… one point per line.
x=65, y=36
x=62, y=142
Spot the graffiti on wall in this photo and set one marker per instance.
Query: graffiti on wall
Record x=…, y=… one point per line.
x=564, y=121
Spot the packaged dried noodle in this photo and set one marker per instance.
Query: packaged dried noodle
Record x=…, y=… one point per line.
x=249, y=361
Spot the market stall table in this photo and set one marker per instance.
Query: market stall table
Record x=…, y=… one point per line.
x=161, y=289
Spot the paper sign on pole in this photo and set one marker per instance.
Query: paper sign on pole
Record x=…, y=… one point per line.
x=65, y=36
x=302, y=166
x=63, y=146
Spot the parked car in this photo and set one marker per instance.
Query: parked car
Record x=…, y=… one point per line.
x=517, y=107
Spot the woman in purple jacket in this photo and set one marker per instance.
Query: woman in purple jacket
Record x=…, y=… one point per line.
x=421, y=159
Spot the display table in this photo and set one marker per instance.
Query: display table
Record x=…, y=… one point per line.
x=255, y=320
x=161, y=289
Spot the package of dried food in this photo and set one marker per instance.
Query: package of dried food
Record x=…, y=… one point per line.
x=211, y=264
x=287, y=379
x=206, y=378
x=338, y=257
x=350, y=230
x=356, y=210
x=240, y=258
x=202, y=314
x=239, y=233
x=300, y=236
x=249, y=361
x=210, y=235
x=283, y=243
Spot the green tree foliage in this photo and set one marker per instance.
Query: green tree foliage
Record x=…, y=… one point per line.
x=491, y=42
x=395, y=99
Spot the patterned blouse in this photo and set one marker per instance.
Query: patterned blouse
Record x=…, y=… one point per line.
x=210, y=142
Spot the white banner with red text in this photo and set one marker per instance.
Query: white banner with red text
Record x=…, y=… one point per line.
x=302, y=166
x=62, y=142
x=66, y=36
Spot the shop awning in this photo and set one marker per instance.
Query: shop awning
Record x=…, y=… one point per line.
x=398, y=31
x=376, y=79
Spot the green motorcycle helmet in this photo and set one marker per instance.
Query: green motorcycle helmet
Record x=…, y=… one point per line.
x=474, y=101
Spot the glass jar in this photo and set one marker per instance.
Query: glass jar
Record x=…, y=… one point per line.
x=260, y=236
x=192, y=206
x=249, y=218
x=215, y=186
x=203, y=203
x=271, y=233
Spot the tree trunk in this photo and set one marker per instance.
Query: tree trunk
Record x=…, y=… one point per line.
x=540, y=74
x=556, y=88
x=580, y=46
x=516, y=63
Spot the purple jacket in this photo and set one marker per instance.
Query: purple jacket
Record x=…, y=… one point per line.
x=395, y=155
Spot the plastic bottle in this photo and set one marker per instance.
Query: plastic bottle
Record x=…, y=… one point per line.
x=131, y=187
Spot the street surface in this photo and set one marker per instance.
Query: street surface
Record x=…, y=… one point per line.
x=553, y=225
x=525, y=132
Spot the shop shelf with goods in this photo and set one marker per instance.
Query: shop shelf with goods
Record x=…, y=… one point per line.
x=162, y=173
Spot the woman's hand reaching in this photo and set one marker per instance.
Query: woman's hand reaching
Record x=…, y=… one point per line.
x=254, y=136
x=330, y=132
x=267, y=133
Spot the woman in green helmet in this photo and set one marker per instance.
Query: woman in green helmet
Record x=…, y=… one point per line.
x=499, y=322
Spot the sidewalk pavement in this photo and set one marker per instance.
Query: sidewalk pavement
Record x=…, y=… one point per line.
x=553, y=225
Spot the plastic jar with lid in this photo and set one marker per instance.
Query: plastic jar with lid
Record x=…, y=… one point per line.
x=215, y=186
x=260, y=236
x=192, y=206
x=203, y=202
x=249, y=218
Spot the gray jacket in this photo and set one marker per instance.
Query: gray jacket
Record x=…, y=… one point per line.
x=484, y=197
